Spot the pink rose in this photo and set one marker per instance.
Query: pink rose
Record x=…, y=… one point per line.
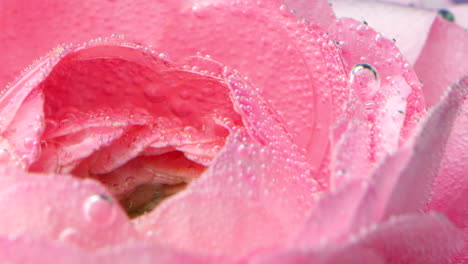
x=232, y=132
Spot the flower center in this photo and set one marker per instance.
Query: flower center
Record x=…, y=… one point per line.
x=145, y=181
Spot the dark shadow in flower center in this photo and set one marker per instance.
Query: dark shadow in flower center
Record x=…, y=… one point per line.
x=144, y=182
x=146, y=197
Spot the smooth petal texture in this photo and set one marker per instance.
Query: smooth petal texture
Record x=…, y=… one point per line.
x=411, y=239
x=59, y=207
x=405, y=239
x=450, y=187
x=17, y=250
x=439, y=64
x=251, y=196
x=144, y=253
x=409, y=26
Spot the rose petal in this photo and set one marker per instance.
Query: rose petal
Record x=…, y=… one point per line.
x=405, y=239
x=84, y=218
x=319, y=12
x=450, y=187
x=409, y=192
x=40, y=251
x=392, y=101
x=400, y=184
x=407, y=25
x=251, y=196
x=147, y=253
x=413, y=239
x=439, y=64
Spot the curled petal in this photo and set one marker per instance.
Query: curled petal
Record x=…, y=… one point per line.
x=439, y=64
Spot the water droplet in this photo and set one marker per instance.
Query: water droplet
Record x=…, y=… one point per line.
x=446, y=14
x=365, y=81
x=100, y=209
x=4, y=154
x=29, y=142
x=163, y=55
x=185, y=94
x=190, y=130
x=68, y=234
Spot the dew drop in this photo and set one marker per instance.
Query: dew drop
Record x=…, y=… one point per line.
x=446, y=14
x=68, y=234
x=29, y=142
x=99, y=209
x=163, y=55
x=4, y=154
x=365, y=81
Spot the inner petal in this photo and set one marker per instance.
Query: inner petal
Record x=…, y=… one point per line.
x=161, y=123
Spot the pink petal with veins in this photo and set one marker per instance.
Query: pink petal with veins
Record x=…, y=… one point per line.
x=450, y=188
x=311, y=70
x=440, y=64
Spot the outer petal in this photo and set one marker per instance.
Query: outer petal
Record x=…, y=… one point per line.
x=439, y=64
x=61, y=208
x=405, y=239
x=19, y=250
x=450, y=188
x=399, y=185
x=149, y=253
